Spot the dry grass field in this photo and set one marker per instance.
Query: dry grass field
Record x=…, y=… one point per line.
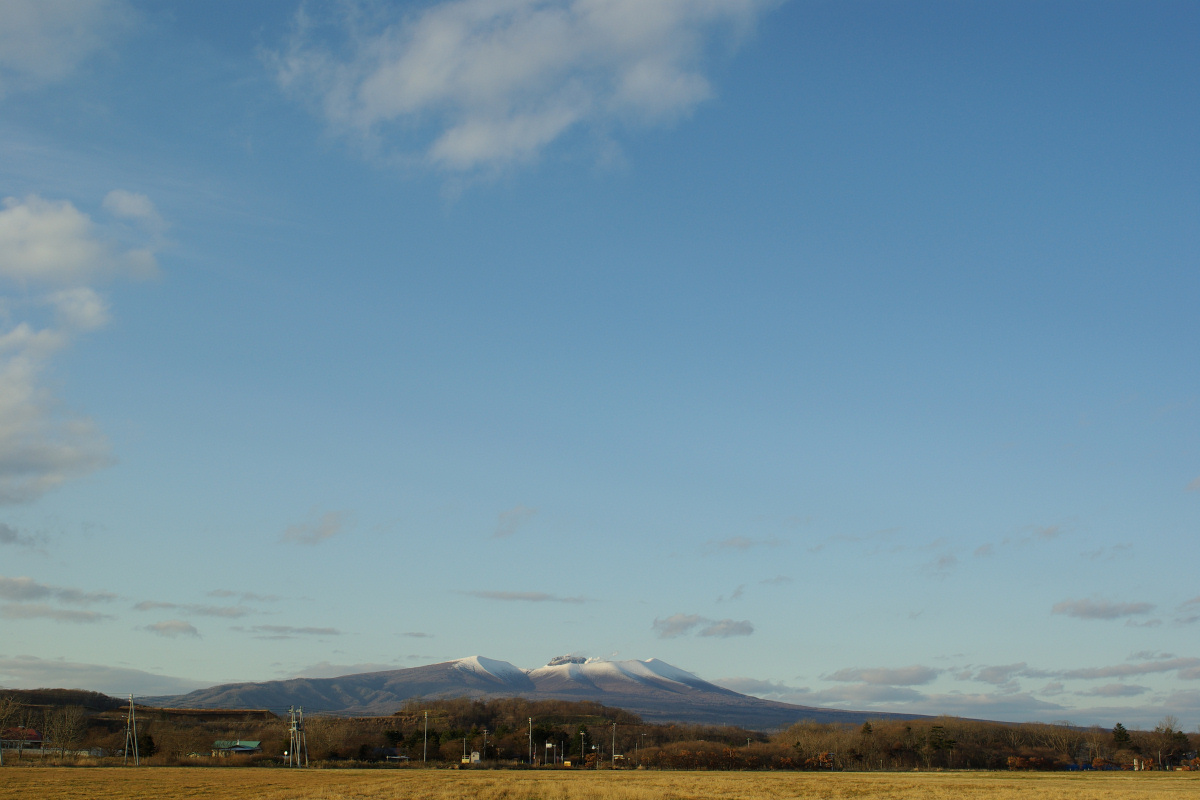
x=171, y=783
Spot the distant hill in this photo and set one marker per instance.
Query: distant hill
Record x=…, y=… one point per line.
x=48, y=698
x=653, y=689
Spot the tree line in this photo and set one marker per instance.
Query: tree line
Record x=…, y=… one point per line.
x=514, y=731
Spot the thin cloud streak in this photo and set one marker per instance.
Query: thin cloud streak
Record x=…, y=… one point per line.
x=526, y=597
x=315, y=531
x=24, y=588
x=678, y=625
x=44, y=611
x=508, y=522
x=173, y=628
x=1099, y=609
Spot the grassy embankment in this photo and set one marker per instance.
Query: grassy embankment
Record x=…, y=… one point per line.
x=172, y=783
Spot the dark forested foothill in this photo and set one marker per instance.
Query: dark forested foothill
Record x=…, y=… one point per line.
x=514, y=732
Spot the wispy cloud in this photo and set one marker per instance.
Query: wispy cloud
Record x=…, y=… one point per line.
x=1100, y=609
x=526, y=597
x=1188, y=612
x=677, y=625
x=31, y=672
x=287, y=631
x=11, y=536
x=736, y=594
x=742, y=543
x=1001, y=674
x=173, y=628
x=44, y=611
x=942, y=564
x=1194, y=486
x=24, y=588
x=246, y=597
x=726, y=628
x=684, y=624
x=508, y=522
x=325, y=669
x=227, y=612
x=1115, y=690
x=316, y=530
x=915, y=675
x=468, y=84
x=883, y=697
x=1127, y=670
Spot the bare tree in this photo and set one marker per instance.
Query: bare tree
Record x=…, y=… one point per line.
x=64, y=727
x=8, y=710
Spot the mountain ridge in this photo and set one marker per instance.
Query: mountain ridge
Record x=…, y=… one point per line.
x=655, y=690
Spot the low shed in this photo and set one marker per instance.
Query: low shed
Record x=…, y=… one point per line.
x=237, y=747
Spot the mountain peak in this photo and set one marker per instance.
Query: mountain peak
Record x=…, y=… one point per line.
x=559, y=660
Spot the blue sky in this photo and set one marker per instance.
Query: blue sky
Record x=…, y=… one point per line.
x=841, y=353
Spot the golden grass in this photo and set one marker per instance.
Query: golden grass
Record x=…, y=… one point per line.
x=187, y=783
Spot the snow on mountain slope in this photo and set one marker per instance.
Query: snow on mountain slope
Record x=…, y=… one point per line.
x=655, y=669
x=491, y=668
x=595, y=672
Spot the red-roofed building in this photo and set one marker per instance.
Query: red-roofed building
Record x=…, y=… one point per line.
x=20, y=739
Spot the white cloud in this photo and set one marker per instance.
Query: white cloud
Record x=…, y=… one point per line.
x=480, y=83
x=51, y=251
x=173, y=628
x=42, y=41
x=79, y=308
x=135, y=207
x=40, y=446
x=54, y=243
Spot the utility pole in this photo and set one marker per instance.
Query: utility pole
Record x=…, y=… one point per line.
x=130, y=735
x=483, y=755
x=531, y=741
x=425, y=748
x=614, y=750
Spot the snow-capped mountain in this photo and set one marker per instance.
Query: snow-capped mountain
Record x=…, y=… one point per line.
x=653, y=689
